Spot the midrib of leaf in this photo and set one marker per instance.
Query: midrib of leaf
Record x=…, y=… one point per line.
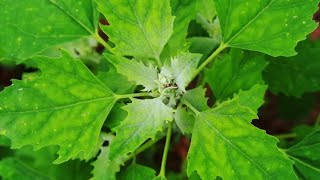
x=249, y=23
x=235, y=147
x=58, y=107
x=143, y=30
x=72, y=17
x=304, y=163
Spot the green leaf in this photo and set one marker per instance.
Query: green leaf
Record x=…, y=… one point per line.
x=203, y=45
x=184, y=12
x=137, y=171
x=136, y=71
x=116, y=116
x=13, y=169
x=25, y=163
x=117, y=82
x=145, y=118
x=253, y=98
x=183, y=66
x=29, y=27
x=295, y=75
x=206, y=9
x=65, y=106
x=270, y=26
x=104, y=168
x=221, y=142
x=184, y=120
x=236, y=70
x=137, y=28
x=306, y=156
x=197, y=98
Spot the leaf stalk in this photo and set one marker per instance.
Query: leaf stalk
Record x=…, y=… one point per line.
x=165, y=152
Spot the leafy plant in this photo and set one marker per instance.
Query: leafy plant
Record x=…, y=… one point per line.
x=150, y=84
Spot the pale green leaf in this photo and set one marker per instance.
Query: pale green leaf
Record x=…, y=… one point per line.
x=236, y=70
x=306, y=156
x=137, y=28
x=29, y=27
x=137, y=171
x=253, y=98
x=184, y=11
x=221, y=142
x=184, y=120
x=183, y=67
x=145, y=119
x=197, y=98
x=273, y=27
x=65, y=106
x=135, y=71
x=295, y=75
x=104, y=168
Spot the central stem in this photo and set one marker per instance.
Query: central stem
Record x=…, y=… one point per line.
x=165, y=152
x=210, y=58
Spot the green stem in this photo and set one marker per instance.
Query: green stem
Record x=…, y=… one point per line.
x=209, y=59
x=143, y=148
x=133, y=95
x=165, y=152
x=102, y=41
x=285, y=136
x=190, y=106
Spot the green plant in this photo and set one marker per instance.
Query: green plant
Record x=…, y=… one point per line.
x=150, y=83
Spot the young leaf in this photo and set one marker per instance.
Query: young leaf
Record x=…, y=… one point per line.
x=306, y=156
x=218, y=147
x=135, y=71
x=295, y=75
x=184, y=11
x=183, y=67
x=145, y=118
x=137, y=171
x=104, y=168
x=65, y=106
x=137, y=28
x=235, y=71
x=29, y=27
x=270, y=26
x=196, y=97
